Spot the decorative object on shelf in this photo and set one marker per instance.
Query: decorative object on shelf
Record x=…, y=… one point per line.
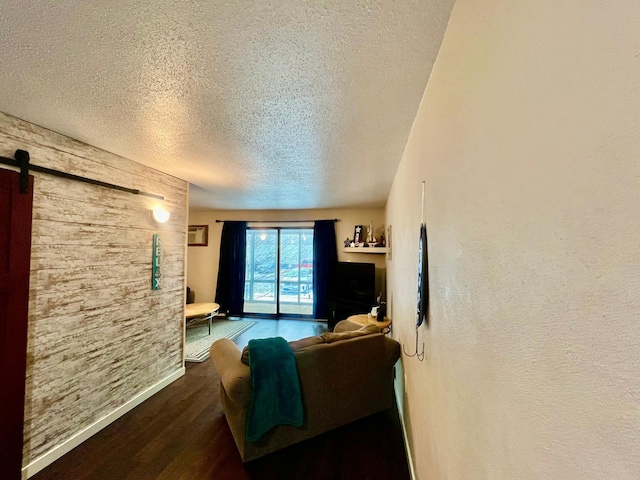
x=382, y=240
x=198, y=235
x=357, y=235
x=371, y=240
x=347, y=242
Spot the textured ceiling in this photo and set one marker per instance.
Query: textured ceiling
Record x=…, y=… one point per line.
x=260, y=105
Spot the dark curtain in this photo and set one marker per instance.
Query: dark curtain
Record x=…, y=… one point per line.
x=325, y=258
x=231, y=272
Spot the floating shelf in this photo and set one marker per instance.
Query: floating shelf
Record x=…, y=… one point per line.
x=364, y=249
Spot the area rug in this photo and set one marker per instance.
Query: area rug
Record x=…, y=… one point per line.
x=198, y=340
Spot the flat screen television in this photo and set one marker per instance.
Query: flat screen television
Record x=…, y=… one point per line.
x=355, y=282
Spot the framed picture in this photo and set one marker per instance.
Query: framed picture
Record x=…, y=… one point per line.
x=198, y=236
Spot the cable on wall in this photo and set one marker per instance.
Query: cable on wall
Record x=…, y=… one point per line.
x=280, y=221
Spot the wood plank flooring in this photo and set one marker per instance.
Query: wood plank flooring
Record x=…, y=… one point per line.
x=181, y=433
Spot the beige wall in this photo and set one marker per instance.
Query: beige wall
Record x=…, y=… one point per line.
x=203, y=261
x=528, y=140
x=98, y=334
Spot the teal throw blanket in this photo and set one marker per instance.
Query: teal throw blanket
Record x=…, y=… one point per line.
x=276, y=397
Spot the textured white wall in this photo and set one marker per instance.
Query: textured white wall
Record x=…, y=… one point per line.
x=528, y=139
x=202, y=262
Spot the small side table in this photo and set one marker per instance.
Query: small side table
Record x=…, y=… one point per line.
x=204, y=311
x=365, y=319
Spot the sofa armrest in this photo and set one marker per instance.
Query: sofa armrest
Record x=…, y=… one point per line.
x=234, y=375
x=391, y=351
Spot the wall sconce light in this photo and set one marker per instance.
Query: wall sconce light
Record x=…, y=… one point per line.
x=160, y=215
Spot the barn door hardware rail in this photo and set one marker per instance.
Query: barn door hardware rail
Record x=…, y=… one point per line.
x=279, y=221
x=21, y=161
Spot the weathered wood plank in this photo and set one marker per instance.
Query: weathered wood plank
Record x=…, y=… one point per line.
x=69, y=256
x=52, y=333
x=120, y=351
x=52, y=150
x=146, y=180
x=100, y=196
x=98, y=277
x=57, y=301
x=58, y=209
x=98, y=333
x=61, y=233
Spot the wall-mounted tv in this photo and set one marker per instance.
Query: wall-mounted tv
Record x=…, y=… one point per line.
x=355, y=282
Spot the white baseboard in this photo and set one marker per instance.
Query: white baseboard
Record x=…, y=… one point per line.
x=66, y=446
x=412, y=471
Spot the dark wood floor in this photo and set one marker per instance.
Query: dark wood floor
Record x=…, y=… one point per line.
x=181, y=433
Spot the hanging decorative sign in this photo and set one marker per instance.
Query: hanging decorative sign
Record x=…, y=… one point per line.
x=156, y=272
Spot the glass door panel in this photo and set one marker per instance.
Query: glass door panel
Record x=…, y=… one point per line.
x=260, y=292
x=296, y=271
x=287, y=289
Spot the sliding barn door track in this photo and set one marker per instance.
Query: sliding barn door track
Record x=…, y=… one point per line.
x=22, y=159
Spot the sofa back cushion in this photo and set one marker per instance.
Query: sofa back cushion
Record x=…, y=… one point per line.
x=331, y=337
x=325, y=338
x=295, y=345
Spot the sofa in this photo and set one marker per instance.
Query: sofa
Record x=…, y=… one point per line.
x=343, y=377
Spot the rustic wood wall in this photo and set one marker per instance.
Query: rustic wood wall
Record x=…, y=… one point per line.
x=98, y=334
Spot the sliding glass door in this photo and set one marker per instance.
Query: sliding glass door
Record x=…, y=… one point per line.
x=279, y=271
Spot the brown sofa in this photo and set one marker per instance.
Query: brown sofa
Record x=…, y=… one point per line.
x=343, y=377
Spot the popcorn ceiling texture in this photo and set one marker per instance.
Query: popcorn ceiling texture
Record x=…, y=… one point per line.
x=528, y=138
x=265, y=105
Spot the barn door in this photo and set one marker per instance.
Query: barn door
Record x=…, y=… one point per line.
x=15, y=250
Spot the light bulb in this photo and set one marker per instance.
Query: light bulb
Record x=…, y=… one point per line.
x=160, y=215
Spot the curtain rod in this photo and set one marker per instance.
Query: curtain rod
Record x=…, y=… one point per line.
x=22, y=162
x=281, y=221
